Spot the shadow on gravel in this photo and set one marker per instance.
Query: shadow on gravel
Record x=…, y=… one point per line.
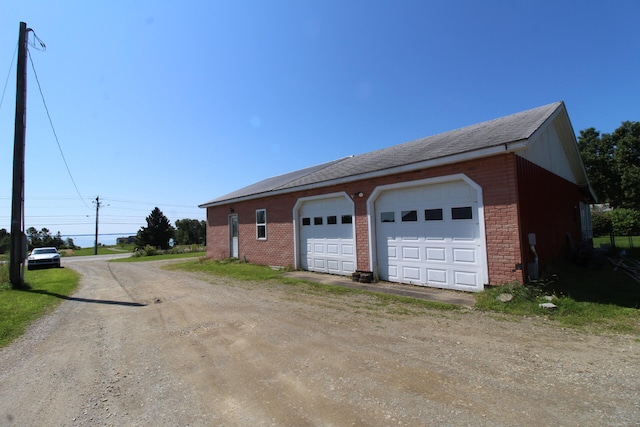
x=94, y=301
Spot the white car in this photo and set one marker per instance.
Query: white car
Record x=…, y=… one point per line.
x=43, y=257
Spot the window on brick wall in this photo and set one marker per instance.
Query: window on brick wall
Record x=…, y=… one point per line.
x=261, y=224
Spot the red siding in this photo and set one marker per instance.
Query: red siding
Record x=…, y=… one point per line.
x=502, y=178
x=550, y=208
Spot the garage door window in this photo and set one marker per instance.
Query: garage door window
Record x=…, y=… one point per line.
x=332, y=219
x=261, y=224
x=317, y=220
x=462, y=213
x=388, y=217
x=347, y=219
x=409, y=216
x=433, y=214
x=306, y=221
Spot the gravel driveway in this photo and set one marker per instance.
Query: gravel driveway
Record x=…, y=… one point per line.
x=140, y=346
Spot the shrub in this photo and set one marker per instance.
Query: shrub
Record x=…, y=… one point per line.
x=601, y=223
x=150, y=250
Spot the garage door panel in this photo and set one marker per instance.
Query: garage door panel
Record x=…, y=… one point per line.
x=327, y=237
x=460, y=191
x=439, y=243
x=348, y=267
x=392, y=252
x=464, y=255
x=465, y=232
x=392, y=271
x=411, y=253
x=465, y=278
x=435, y=254
x=411, y=273
x=436, y=276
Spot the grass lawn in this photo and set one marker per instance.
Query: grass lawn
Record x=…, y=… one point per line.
x=44, y=290
x=621, y=242
x=102, y=250
x=601, y=298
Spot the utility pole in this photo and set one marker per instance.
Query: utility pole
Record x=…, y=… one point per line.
x=18, y=240
x=98, y=206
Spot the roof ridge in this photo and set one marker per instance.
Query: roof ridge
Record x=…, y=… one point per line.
x=310, y=169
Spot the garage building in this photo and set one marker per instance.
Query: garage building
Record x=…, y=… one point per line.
x=490, y=203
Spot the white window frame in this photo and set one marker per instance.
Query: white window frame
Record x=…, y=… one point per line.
x=261, y=224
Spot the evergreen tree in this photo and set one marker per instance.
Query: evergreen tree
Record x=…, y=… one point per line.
x=157, y=232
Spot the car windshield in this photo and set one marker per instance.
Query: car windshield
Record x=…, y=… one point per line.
x=44, y=251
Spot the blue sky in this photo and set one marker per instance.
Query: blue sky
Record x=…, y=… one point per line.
x=171, y=104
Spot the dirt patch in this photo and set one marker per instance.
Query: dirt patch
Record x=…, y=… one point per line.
x=144, y=346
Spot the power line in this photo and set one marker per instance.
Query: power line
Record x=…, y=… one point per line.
x=149, y=203
x=52, y=127
x=8, y=75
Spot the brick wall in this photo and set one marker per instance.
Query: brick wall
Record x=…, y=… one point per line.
x=496, y=175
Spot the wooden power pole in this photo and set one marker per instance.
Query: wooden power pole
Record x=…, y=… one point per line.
x=98, y=205
x=18, y=239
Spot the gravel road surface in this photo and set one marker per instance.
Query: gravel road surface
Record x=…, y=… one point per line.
x=140, y=346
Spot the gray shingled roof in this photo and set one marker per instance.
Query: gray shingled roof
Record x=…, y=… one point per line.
x=513, y=128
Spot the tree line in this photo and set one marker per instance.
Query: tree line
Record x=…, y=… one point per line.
x=612, y=162
x=158, y=233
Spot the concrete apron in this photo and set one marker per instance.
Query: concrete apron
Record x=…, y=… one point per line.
x=419, y=292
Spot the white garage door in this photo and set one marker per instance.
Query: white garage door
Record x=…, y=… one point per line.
x=430, y=235
x=326, y=236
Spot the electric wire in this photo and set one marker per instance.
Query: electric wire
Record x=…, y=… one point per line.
x=147, y=203
x=6, y=82
x=52, y=127
x=42, y=47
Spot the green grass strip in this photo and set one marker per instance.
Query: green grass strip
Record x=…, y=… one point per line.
x=43, y=292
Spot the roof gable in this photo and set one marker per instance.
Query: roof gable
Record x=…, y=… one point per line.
x=468, y=142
